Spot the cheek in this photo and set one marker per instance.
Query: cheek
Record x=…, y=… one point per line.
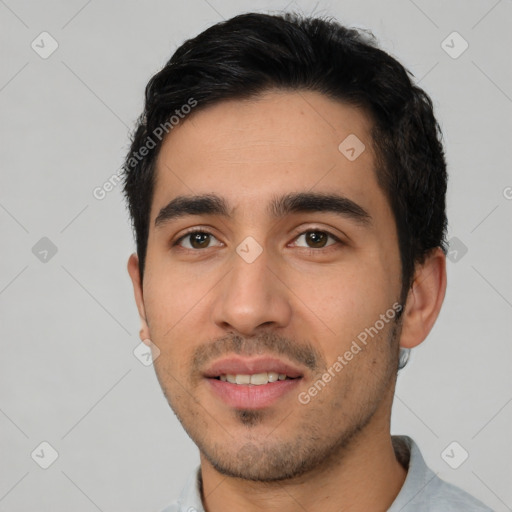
x=168, y=313
x=346, y=299
x=173, y=296
x=178, y=308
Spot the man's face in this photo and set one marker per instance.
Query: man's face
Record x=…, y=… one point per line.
x=273, y=291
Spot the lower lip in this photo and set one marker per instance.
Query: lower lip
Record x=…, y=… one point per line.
x=247, y=396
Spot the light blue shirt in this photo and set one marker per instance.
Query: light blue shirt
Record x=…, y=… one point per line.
x=423, y=490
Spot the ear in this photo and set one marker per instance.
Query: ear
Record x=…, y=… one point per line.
x=424, y=300
x=133, y=270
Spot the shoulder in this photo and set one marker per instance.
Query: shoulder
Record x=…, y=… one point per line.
x=423, y=490
x=176, y=506
x=190, y=498
x=446, y=496
x=173, y=507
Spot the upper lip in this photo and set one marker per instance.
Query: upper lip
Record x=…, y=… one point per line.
x=242, y=366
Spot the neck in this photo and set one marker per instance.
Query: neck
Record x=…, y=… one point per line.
x=364, y=475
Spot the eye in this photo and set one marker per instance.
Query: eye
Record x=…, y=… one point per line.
x=316, y=239
x=200, y=239
x=197, y=239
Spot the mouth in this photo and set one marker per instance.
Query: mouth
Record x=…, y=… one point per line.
x=252, y=383
x=269, y=368
x=256, y=379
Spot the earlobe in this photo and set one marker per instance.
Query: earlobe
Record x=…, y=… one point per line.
x=425, y=299
x=133, y=271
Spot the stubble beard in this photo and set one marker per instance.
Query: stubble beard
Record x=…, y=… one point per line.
x=309, y=450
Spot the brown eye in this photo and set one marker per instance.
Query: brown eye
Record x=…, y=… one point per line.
x=316, y=239
x=196, y=240
x=199, y=240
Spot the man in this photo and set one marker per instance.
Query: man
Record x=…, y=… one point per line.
x=286, y=183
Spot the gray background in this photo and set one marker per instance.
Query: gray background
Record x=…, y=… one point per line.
x=68, y=375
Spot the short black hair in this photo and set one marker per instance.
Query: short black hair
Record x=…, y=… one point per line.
x=252, y=53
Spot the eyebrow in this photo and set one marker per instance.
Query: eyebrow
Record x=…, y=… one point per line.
x=278, y=207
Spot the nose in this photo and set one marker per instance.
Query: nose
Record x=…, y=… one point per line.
x=251, y=297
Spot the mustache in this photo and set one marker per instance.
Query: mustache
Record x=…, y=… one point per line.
x=302, y=353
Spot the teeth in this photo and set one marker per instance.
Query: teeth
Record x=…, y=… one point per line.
x=243, y=379
x=272, y=376
x=256, y=379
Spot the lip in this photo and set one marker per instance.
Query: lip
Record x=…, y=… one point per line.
x=245, y=366
x=249, y=396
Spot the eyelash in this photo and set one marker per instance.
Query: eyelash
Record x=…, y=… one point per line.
x=310, y=250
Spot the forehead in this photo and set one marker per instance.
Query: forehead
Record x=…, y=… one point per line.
x=276, y=143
